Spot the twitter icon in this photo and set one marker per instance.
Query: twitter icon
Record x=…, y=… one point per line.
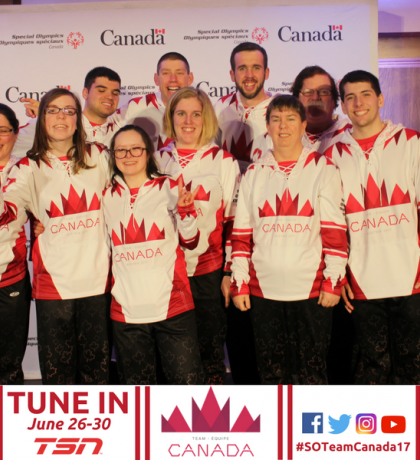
x=340, y=425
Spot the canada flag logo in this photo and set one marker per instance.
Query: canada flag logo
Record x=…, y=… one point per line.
x=159, y=31
x=211, y=419
x=260, y=34
x=74, y=204
x=75, y=39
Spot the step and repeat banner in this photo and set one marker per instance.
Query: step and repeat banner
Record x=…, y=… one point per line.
x=42, y=48
x=162, y=423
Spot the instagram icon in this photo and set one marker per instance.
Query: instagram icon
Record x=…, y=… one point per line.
x=366, y=423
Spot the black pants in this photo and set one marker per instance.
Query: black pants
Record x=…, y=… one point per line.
x=176, y=340
x=15, y=303
x=240, y=346
x=73, y=340
x=291, y=340
x=343, y=351
x=388, y=333
x=211, y=325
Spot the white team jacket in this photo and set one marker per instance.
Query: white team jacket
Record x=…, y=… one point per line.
x=217, y=173
x=13, y=263
x=240, y=129
x=149, y=272
x=71, y=257
x=329, y=137
x=146, y=111
x=381, y=197
x=289, y=236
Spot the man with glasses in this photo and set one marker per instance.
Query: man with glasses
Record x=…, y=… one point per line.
x=316, y=89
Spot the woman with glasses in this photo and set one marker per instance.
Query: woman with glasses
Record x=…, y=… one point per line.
x=148, y=217
x=61, y=183
x=193, y=157
x=15, y=285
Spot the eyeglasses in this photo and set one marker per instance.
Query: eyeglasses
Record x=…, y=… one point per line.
x=321, y=92
x=134, y=152
x=5, y=132
x=66, y=110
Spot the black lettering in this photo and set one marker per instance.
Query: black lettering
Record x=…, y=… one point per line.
x=8, y=95
x=281, y=33
x=103, y=37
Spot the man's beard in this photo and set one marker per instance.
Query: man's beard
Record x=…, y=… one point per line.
x=249, y=95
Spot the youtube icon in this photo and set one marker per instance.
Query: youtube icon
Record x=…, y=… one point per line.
x=393, y=424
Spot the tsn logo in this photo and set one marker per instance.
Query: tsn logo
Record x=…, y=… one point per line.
x=67, y=446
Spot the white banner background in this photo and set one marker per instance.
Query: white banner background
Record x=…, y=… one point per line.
x=343, y=38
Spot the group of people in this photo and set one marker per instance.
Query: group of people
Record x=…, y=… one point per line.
x=156, y=219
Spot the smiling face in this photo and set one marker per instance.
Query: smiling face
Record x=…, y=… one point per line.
x=173, y=75
x=361, y=105
x=101, y=99
x=286, y=130
x=132, y=168
x=7, y=141
x=188, y=123
x=59, y=126
x=250, y=75
x=319, y=109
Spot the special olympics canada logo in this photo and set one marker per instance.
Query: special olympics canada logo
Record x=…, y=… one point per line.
x=75, y=39
x=260, y=34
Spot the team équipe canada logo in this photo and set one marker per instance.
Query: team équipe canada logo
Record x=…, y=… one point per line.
x=260, y=34
x=330, y=34
x=211, y=419
x=75, y=39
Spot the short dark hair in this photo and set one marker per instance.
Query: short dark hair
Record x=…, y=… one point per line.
x=247, y=46
x=173, y=56
x=97, y=72
x=151, y=166
x=286, y=101
x=11, y=117
x=309, y=72
x=358, y=76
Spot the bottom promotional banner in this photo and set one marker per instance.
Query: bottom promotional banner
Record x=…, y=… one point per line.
x=243, y=422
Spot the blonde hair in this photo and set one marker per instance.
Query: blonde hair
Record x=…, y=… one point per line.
x=210, y=124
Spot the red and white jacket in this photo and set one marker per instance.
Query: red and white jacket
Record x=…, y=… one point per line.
x=146, y=111
x=240, y=128
x=150, y=280
x=217, y=174
x=13, y=265
x=319, y=143
x=382, y=194
x=71, y=257
x=289, y=236
x=330, y=136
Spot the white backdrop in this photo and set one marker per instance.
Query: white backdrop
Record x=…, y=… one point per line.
x=47, y=46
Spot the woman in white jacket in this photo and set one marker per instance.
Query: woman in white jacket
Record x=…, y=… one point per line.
x=61, y=183
x=15, y=285
x=195, y=160
x=148, y=217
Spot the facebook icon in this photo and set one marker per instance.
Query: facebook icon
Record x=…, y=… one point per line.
x=312, y=422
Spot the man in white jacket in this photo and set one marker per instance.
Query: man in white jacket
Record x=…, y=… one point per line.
x=379, y=164
x=241, y=115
